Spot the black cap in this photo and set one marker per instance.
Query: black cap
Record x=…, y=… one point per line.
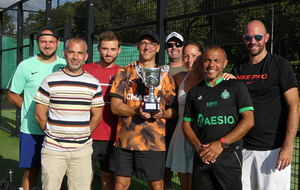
x=54, y=32
x=149, y=32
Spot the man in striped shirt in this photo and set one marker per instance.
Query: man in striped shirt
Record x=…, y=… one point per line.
x=73, y=100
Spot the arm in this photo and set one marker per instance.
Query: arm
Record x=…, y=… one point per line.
x=96, y=116
x=214, y=149
x=167, y=114
x=41, y=115
x=191, y=137
x=286, y=153
x=121, y=109
x=15, y=99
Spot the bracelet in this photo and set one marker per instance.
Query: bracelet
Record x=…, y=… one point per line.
x=163, y=113
x=199, y=147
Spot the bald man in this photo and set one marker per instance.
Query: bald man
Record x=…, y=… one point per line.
x=268, y=146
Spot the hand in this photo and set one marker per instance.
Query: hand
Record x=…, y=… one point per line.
x=284, y=158
x=227, y=76
x=133, y=64
x=158, y=115
x=144, y=115
x=210, y=152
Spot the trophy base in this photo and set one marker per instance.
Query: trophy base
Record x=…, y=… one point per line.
x=151, y=107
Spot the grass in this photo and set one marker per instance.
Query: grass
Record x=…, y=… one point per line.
x=9, y=154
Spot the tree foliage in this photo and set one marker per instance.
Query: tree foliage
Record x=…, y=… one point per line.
x=8, y=26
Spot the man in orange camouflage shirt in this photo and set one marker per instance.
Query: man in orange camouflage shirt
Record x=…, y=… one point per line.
x=140, y=141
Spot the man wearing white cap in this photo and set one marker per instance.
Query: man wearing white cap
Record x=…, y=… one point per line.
x=174, y=47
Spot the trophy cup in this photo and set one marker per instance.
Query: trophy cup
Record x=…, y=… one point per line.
x=152, y=78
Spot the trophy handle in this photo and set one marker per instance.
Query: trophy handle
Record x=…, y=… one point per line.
x=166, y=69
x=139, y=71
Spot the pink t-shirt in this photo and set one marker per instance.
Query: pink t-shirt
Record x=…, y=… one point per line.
x=106, y=130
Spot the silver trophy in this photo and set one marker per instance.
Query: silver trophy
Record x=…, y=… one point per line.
x=152, y=78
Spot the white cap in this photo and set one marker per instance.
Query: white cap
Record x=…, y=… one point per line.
x=174, y=35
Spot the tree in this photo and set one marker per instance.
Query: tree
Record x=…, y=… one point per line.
x=8, y=25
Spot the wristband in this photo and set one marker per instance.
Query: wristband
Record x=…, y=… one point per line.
x=199, y=147
x=163, y=113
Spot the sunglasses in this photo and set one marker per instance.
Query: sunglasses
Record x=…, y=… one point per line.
x=258, y=37
x=177, y=44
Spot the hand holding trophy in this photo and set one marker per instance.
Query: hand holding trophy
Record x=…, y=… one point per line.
x=151, y=78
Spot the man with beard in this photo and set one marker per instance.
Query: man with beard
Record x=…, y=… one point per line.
x=68, y=109
x=174, y=46
x=104, y=135
x=27, y=79
x=140, y=140
x=268, y=146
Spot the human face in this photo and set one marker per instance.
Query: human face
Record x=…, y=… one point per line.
x=190, y=54
x=174, y=53
x=213, y=61
x=147, y=53
x=109, y=51
x=47, y=45
x=75, y=57
x=253, y=46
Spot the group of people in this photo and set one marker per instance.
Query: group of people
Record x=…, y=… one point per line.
x=216, y=130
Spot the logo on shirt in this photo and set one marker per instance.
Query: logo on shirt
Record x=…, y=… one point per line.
x=225, y=95
x=214, y=120
x=253, y=77
x=211, y=104
x=200, y=98
x=250, y=82
x=32, y=73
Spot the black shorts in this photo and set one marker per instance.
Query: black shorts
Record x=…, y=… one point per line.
x=148, y=165
x=102, y=151
x=225, y=173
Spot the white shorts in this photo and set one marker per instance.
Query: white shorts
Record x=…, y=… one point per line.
x=259, y=171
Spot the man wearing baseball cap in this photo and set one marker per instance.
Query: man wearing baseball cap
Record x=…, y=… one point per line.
x=174, y=47
x=140, y=139
x=27, y=78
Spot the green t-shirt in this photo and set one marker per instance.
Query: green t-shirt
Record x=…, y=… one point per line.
x=27, y=78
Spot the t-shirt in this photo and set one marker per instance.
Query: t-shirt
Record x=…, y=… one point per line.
x=133, y=132
x=106, y=130
x=266, y=82
x=215, y=110
x=27, y=78
x=70, y=99
x=174, y=70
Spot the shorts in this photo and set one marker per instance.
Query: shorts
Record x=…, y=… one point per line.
x=30, y=150
x=148, y=165
x=225, y=173
x=102, y=151
x=259, y=170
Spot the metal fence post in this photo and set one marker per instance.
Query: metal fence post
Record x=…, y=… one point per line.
x=90, y=29
x=160, y=29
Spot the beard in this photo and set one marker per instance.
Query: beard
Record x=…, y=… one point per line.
x=108, y=61
x=255, y=52
x=47, y=56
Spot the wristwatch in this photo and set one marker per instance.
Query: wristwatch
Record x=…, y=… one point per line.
x=224, y=143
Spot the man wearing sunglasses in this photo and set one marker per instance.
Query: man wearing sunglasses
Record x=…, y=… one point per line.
x=268, y=146
x=174, y=47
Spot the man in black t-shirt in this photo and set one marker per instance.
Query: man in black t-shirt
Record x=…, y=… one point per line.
x=268, y=146
x=222, y=112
